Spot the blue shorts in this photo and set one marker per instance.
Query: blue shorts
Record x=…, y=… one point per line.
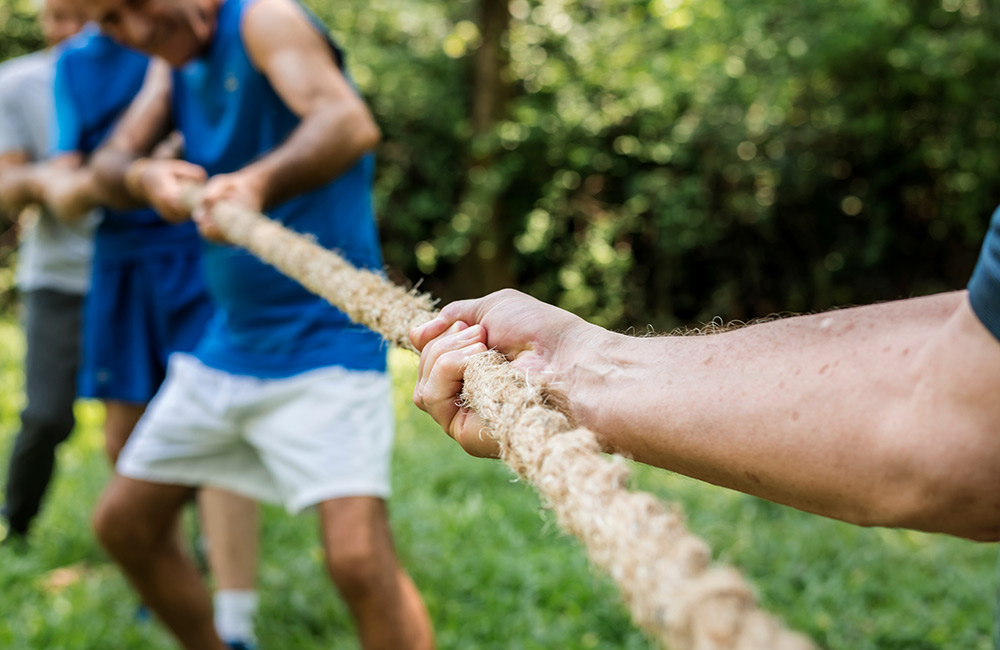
x=140, y=310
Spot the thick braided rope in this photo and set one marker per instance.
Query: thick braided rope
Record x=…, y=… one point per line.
x=664, y=572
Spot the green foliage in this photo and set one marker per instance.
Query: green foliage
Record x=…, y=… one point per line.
x=665, y=161
x=670, y=160
x=19, y=31
x=493, y=568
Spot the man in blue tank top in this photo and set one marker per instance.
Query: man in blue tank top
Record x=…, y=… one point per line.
x=283, y=399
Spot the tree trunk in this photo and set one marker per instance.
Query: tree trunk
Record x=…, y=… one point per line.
x=487, y=266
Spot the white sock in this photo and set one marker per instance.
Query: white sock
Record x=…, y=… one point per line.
x=235, y=610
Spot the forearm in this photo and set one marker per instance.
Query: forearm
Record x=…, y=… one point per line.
x=19, y=187
x=324, y=145
x=110, y=167
x=146, y=123
x=70, y=193
x=820, y=412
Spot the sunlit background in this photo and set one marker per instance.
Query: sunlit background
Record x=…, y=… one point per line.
x=645, y=164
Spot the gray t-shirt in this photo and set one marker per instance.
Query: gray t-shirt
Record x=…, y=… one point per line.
x=53, y=255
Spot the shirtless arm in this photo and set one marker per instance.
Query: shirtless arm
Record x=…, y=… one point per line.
x=878, y=415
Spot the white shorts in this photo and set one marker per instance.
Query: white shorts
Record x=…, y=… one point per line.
x=320, y=435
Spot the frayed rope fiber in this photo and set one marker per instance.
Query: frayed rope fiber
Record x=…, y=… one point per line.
x=663, y=571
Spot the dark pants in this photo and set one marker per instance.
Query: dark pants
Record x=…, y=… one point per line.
x=52, y=329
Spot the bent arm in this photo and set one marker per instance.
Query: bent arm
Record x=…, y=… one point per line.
x=144, y=124
x=63, y=184
x=69, y=188
x=336, y=128
x=19, y=182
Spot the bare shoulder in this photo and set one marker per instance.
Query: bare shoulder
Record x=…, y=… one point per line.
x=274, y=25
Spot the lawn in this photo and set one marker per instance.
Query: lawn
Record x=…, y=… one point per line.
x=491, y=562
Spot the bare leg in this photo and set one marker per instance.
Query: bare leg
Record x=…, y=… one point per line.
x=361, y=559
x=231, y=525
x=119, y=420
x=135, y=522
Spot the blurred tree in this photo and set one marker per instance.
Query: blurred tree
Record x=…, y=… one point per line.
x=19, y=29
x=489, y=268
x=19, y=34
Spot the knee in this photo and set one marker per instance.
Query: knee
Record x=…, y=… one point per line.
x=355, y=570
x=113, y=448
x=47, y=427
x=115, y=437
x=118, y=425
x=118, y=532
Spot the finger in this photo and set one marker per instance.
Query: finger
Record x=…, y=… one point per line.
x=168, y=199
x=423, y=334
x=454, y=339
x=474, y=311
x=215, y=190
x=191, y=181
x=175, y=207
x=440, y=394
x=209, y=198
x=443, y=343
x=193, y=173
x=473, y=434
x=207, y=227
x=500, y=312
x=199, y=215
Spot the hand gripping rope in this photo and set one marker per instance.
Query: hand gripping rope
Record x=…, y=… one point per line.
x=663, y=571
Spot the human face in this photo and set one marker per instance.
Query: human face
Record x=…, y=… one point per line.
x=174, y=30
x=60, y=19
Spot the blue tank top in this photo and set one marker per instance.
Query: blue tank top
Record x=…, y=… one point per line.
x=96, y=80
x=267, y=325
x=984, y=287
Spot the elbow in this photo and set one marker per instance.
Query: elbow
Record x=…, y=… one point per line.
x=108, y=170
x=365, y=134
x=369, y=135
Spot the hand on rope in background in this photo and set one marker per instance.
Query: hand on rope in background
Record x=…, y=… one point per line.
x=69, y=194
x=19, y=188
x=237, y=188
x=71, y=189
x=162, y=184
x=180, y=190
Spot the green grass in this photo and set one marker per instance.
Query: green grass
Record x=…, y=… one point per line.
x=492, y=565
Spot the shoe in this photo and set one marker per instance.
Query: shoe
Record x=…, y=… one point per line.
x=241, y=645
x=142, y=613
x=13, y=540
